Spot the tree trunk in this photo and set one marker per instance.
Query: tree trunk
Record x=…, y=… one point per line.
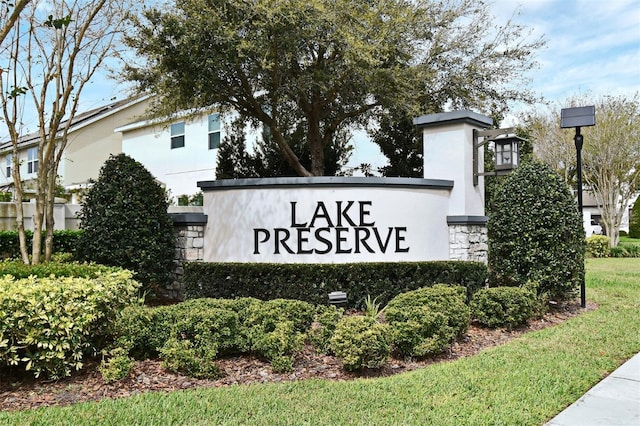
x=316, y=148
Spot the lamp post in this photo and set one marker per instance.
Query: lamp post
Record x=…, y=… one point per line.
x=506, y=148
x=579, y=117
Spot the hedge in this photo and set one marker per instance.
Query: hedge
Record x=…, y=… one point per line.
x=312, y=282
x=63, y=242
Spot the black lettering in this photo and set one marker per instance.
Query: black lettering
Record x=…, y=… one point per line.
x=344, y=213
x=321, y=214
x=340, y=239
x=303, y=239
x=293, y=217
x=401, y=238
x=327, y=243
x=363, y=240
x=364, y=213
x=256, y=242
x=277, y=240
x=383, y=247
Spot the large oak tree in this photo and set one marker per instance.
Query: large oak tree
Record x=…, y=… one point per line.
x=326, y=65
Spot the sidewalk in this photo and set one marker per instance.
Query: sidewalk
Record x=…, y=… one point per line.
x=615, y=401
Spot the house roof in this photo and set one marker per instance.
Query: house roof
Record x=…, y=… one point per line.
x=80, y=121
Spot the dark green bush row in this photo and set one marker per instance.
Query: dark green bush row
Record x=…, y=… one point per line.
x=63, y=242
x=18, y=269
x=313, y=282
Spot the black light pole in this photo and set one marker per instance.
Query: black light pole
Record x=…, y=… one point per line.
x=579, y=117
x=578, y=141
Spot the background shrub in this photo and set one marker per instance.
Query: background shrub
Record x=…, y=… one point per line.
x=634, y=220
x=361, y=342
x=64, y=241
x=503, y=306
x=598, y=245
x=19, y=269
x=125, y=222
x=536, y=233
x=313, y=282
x=426, y=321
x=48, y=325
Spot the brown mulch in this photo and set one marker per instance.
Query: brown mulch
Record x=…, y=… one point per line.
x=20, y=393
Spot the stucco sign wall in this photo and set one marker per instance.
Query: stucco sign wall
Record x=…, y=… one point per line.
x=326, y=220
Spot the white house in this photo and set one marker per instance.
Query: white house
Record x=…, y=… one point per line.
x=178, y=154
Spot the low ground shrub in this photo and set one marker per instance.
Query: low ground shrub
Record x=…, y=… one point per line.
x=625, y=250
x=598, y=245
x=427, y=320
x=49, y=325
x=361, y=342
x=506, y=307
x=324, y=327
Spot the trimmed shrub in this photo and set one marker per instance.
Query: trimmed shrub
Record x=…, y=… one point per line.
x=361, y=342
x=313, y=282
x=536, y=233
x=276, y=330
x=598, y=245
x=48, y=325
x=634, y=220
x=117, y=366
x=185, y=357
x=324, y=327
x=426, y=321
x=125, y=222
x=507, y=307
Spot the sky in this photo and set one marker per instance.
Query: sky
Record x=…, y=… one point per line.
x=593, y=47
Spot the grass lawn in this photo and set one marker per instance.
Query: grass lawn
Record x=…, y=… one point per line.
x=525, y=382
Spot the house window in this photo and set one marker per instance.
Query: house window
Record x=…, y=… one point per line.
x=9, y=163
x=214, y=131
x=32, y=160
x=177, y=135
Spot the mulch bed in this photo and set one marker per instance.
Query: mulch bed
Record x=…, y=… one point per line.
x=20, y=393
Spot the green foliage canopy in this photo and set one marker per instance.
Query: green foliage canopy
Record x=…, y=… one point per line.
x=326, y=65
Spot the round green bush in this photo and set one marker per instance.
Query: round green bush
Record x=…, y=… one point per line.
x=506, y=307
x=598, y=246
x=125, y=223
x=536, y=233
x=426, y=321
x=361, y=342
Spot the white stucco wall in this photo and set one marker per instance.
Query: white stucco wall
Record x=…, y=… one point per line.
x=180, y=168
x=301, y=220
